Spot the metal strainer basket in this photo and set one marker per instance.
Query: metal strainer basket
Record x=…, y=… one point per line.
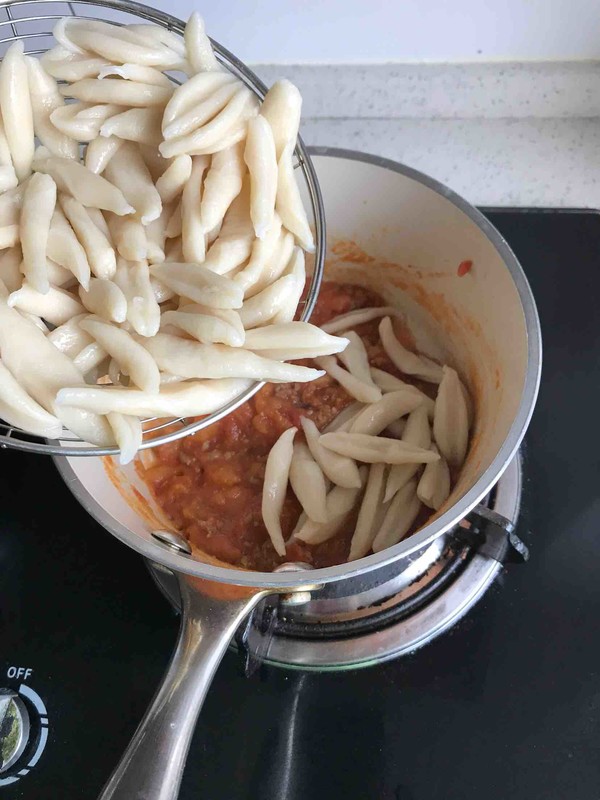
x=32, y=21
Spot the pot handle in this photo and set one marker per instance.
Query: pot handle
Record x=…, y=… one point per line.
x=152, y=766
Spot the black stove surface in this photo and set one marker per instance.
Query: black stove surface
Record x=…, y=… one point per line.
x=505, y=705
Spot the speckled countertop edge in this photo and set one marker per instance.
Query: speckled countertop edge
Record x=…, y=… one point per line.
x=500, y=134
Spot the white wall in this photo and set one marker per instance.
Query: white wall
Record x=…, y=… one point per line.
x=305, y=31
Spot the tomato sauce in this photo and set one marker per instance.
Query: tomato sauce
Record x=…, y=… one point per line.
x=210, y=484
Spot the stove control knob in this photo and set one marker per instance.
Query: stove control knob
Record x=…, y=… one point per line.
x=14, y=728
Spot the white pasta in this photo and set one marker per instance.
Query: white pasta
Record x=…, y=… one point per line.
x=64, y=248
x=156, y=236
x=199, y=284
x=389, y=383
x=345, y=418
x=87, y=187
x=136, y=72
x=56, y=306
x=15, y=106
x=128, y=236
x=237, y=134
x=69, y=338
x=128, y=434
x=10, y=273
x=118, y=92
x=153, y=160
x=289, y=203
x=122, y=347
x=217, y=134
x=174, y=178
x=156, y=34
x=195, y=91
x=356, y=359
x=57, y=275
x=234, y=242
x=8, y=178
x=143, y=311
x=66, y=65
x=309, y=484
x=105, y=299
x=192, y=398
x=100, y=151
x=19, y=409
x=396, y=429
x=275, y=265
x=175, y=226
x=11, y=202
x=358, y=317
x=192, y=232
x=364, y=392
x=39, y=202
x=340, y=502
x=261, y=160
x=392, y=406
x=119, y=44
x=451, y=419
x=281, y=108
x=45, y=99
x=400, y=515
x=198, y=47
x=140, y=125
x=214, y=327
x=340, y=470
x=296, y=270
x=261, y=257
x=127, y=171
x=275, y=485
x=9, y=236
x=195, y=360
x=417, y=433
x=203, y=112
x=434, y=486
x=99, y=251
x=151, y=208
x=222, y=185
x=375, y=449
x=365, y=530
x=407, y=362
x=82, y=122
x=89, y=359
x=173, y=251
x=41, y=370
x=292, y=340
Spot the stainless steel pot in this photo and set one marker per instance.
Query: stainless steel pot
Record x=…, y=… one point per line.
x=404, y=235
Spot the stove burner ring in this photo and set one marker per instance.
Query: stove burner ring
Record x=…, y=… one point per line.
x=392, y=610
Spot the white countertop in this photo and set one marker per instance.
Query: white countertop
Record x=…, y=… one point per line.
x=499, y=134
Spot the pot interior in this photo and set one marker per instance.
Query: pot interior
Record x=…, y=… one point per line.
x=404, y=236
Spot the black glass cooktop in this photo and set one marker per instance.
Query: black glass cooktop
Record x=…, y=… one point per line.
x=505, y=705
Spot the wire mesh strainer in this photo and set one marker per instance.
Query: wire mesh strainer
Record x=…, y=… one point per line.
x=31, y=21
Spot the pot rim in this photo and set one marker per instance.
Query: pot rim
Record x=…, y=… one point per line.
x=319, y=577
